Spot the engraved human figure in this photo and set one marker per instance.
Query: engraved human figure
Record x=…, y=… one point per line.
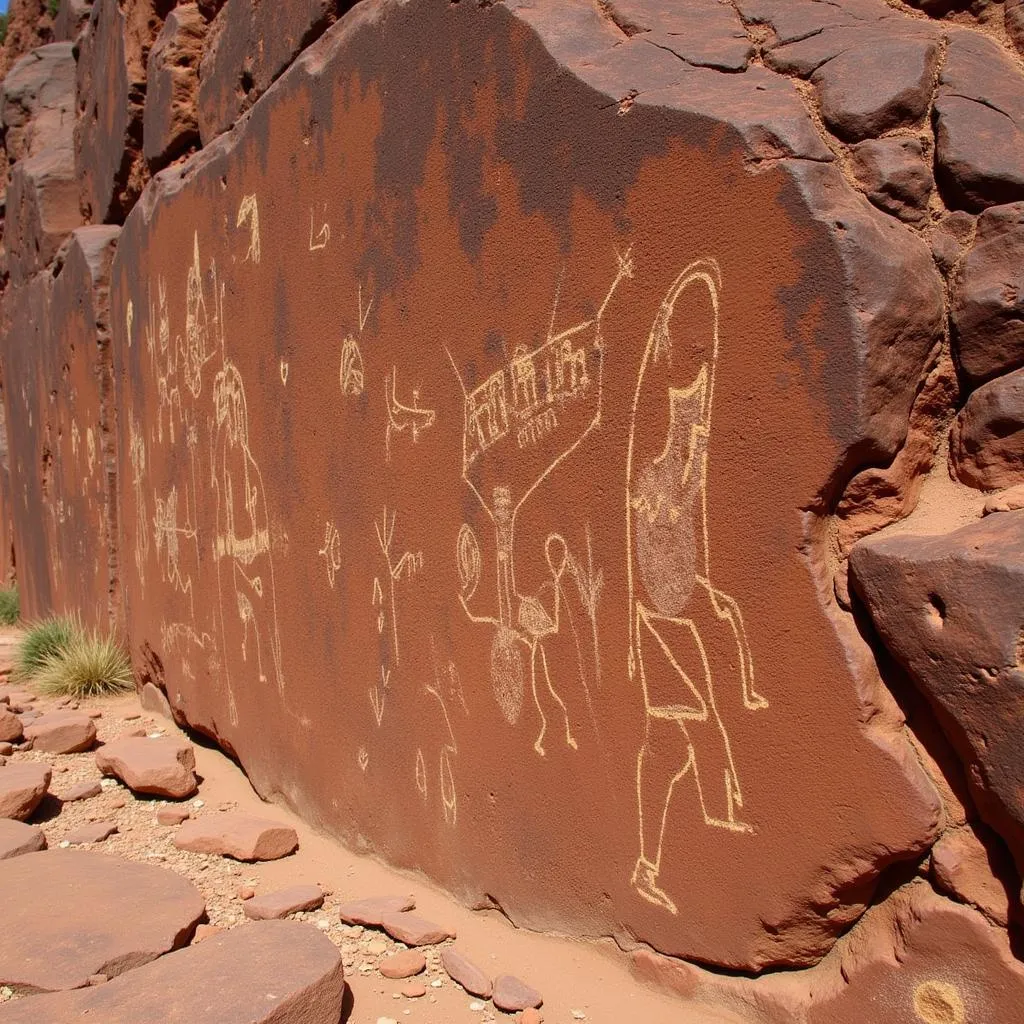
x=685, y=634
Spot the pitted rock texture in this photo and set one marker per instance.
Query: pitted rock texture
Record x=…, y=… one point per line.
x=457, y=475
x=37, y=101
x=988, y=297
x=111, y=88
x=170, y=122
x=987, y=442
x=902, y=956
x=251, y=43
x=951, y=610
x=271, y=972
x=114, y=915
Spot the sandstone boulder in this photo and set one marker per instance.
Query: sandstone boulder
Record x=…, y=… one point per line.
x=271, y=972
x=172, y=815
x=62, y=732
x=162, y=766
x=11, y=729
x=93, y=832
x=979, y=124
x=154, y=700
x=22, y=788
x=512, y=994
x=37, y=101
x=414, y=930
x=950, y=609
x=114, y=915
x=930, y=960
x=282, y=903
x=170, y=123
x=465, y=973
x=895, y=174
x=988, y=297
x=242, y=836
x=970, y=864
x=17, y=838
x=372, y=910
x=987, y=440
x=406, y=964
x=82, y=791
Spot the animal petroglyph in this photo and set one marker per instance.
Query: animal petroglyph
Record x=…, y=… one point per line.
x=249, y=213
x=352, y=375
x=402, y=417
x=322, y=236
x=549, y=400
x=331, y=551
x=407, y=565
x=681, y=626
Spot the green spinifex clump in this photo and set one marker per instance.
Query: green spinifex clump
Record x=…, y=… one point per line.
x=44, y=640
x=89, y=666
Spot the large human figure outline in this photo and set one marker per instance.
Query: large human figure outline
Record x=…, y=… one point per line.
x=674, y=608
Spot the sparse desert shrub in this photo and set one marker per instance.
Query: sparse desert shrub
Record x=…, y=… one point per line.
x=9, y=606
x=89, y=666
x=53, y=8
x=44, y=640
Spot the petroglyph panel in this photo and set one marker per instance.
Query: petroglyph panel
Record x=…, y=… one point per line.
x=474, y=424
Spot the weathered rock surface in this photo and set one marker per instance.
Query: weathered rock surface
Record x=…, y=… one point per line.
x=162, y=766
x=988, y=297
x=951, y=609
x=170, y=122
x=241, y=836
x=71, y=18
x=62, y=732
x=93, y=832
x=511, y=994
x=111, y=89
x=114, y=915
x=82, y=791
x=372, y=910
x=895, y=174
x=172, y=815
x=414, y=930
x=251, y=43
x=979, y=124
x=463, y=971
x=972, y=871
x=406, y=964
x=928, y=961
x=272, y=972
x=10, y=726
x=22, y=788
x=1013, y=18
x=37, y=101
x=17, y=838
x=275, y=905
x=154, y=700
x=827, y=312
x=987, y=441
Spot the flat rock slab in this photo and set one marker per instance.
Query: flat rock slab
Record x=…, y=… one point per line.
x=82, y=791
x=241, y=836
x=17, y=838
x=172, y=815
x=111, y=915
x=464, y=972
x=276, y=905
x=11, y=729
x=62, y=732
x=22, y=787
x=163, y=766
x=94, y=832
x=269, y=972
x=511, y=994
x=370, y=912
x=406, y=964
x=414, y=930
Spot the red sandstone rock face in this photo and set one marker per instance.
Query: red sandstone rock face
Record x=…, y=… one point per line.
x=987, y=443
x=112, y=54
x=72, y=16
x=251, y=43
x=417, y=367
x=919, y=959
x=272, y=972
x=951, y=611
x=170, y=124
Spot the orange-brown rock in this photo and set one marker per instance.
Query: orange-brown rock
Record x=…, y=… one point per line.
x=22, y=788
x=17, y=838
x=283, y=902
x=170, y=123
x=242, y=836
x=71, y=18
x=480, y=297
x=920, y=959
x=971, y=865
x=62, y=732
x=28, y=25
x=270, y=972
x=109, y=915
x=162, y=766
x=950, y=608
x=987, y=440
x=372, y=910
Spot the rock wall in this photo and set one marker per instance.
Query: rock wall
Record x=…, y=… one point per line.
x=510, y=430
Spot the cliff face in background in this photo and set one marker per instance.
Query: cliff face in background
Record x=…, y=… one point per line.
x=573, y=450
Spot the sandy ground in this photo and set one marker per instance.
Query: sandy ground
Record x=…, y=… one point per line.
x=580, y=981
